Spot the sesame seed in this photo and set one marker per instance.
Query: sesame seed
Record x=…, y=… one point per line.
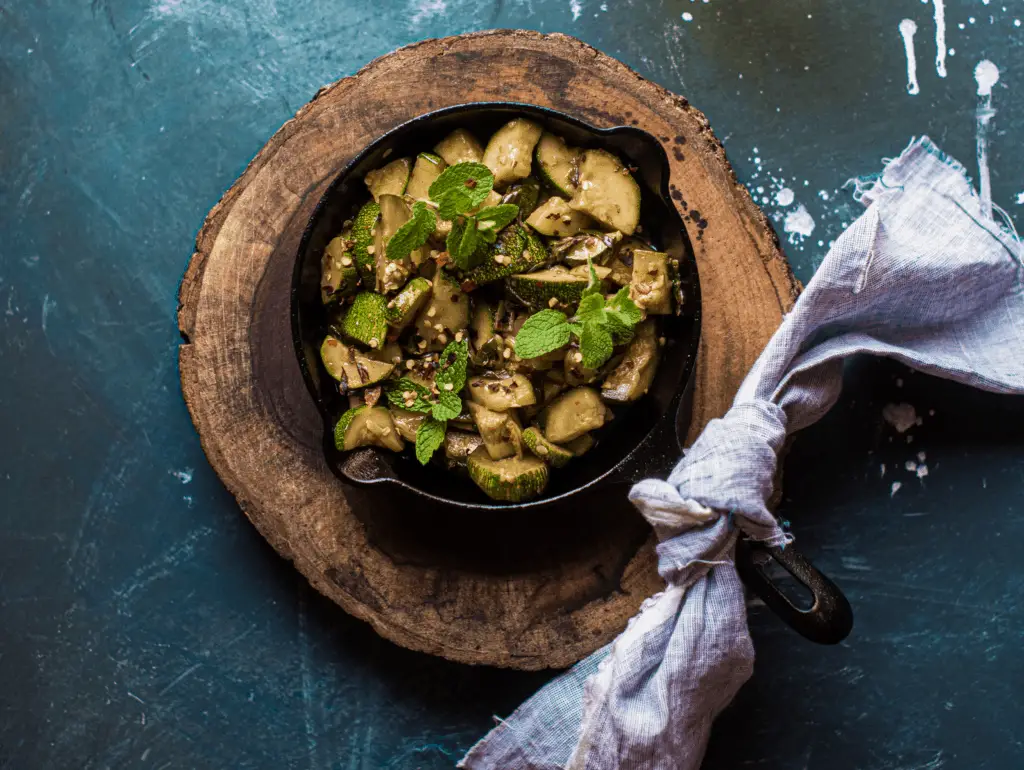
x=374, y=342
x=346, y=261
x=541, y=450
x=410, y=364
x=566, y=219
x=370, y=249
x=458, y=336
x=432, y=312
x=661, y=340
x=577, y=357
x=408, y=395
x=442, y=338
x=449, y=386
x=439, y=327
x=507, y=353
x=421, y=344
x=552, y=302
x=391, y=304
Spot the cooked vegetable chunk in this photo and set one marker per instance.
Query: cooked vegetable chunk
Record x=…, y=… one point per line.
x=607, y=192
x=512, y=480
x=572, y=414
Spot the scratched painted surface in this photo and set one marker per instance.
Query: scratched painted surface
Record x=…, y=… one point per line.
x=143, y=623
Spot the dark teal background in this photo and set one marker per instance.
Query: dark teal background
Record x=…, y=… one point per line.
x=144, y=623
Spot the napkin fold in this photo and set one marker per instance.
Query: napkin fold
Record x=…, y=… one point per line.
x=923, y=276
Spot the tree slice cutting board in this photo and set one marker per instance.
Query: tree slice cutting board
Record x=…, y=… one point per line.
x=528, y=593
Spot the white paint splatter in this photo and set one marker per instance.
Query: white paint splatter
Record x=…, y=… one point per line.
x=895, y=488
x=910, y=465
x=922, y=471
x=784, y=197
x=986, y=74
x=907, y=30
x=576, y=7
x=921, y=457
x=940, y=37
x=184, y=476
x=48, y=307
x=799, y=224
x=687, y=16
x=427, y=10
x=1020, y=199
x=902, y=417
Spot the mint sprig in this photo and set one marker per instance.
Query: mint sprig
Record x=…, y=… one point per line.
x=457, y=192
x=397, y=391
x=413, y=233
x=599, y=325
x=449, y=380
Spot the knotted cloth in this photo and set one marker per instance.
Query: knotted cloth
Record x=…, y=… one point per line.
x=923, y=276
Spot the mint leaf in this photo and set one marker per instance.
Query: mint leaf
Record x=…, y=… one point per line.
x=576, y=328
x=429, y=437
x=491, y=219
x=462, y=242
x=591, y=309
x=397, y=391
x=621, y=332
x=625, y=309
x=413, y=233
x=448, y=406
x=594, y=284
x=452, y=367
x=595, y=345
x=543, y=332
x=467, y=184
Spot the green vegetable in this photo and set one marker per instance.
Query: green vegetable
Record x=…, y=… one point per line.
x=552, y=454
x=650, y=288
x=496, y=429
x=391, y=275
x=501, y=393
x=363, y=235
x=572, y=414
x=428, y=168
x=428, y=438
x=559, y=164
x=607, y=192
x=458, y=445
x=491, y=219
x=351, y=368
x=593, y=246
x=580, y=446
x=367, y=426
x=543, y=332
x=406, y=394
x=407, y=303
x=390, y=179
x=634, y=375
x=406, y=422
x=485, y=342
x=554, y=218
x=366, y=321
x=459, y=146
x=339, y=275
x=444, y=315
x=513, y=479
x=524, y=195
x=450, y=379
x=510, y=150
x=519, y=250
x=537, y=290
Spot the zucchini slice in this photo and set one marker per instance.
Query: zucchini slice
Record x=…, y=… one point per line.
x=459, y=146
x=572, y=414
x=350, y=367
x=499, y=394
x=516, y=250
x=607, y=192
x=497, y=429
x=392, y=275
x=552, y=454
x=390, y=179
x=406, y=422
x=339, y=275
x=558, y=163
x=428, y=168
x=554, y=217
x=594, y=244
x=404, y=306
x=509, y=153
x=650, y=286
x=631, y=378
x=366, y=321
x=555, y=287
x=363, y=233
x=367, y=426
x=445, y=314
x=513, y=479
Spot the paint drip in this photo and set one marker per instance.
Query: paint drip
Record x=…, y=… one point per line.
x=940, y=37
x=986, y=74
x=799, y=224
x=907, y=30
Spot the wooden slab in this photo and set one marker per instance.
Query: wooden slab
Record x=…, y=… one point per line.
x=527, y=594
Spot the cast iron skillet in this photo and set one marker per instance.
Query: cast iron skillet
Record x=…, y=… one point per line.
x=644, y=439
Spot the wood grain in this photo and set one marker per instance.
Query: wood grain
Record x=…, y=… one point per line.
x=527, y=594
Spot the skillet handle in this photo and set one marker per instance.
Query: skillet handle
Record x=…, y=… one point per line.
x=828, y=621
